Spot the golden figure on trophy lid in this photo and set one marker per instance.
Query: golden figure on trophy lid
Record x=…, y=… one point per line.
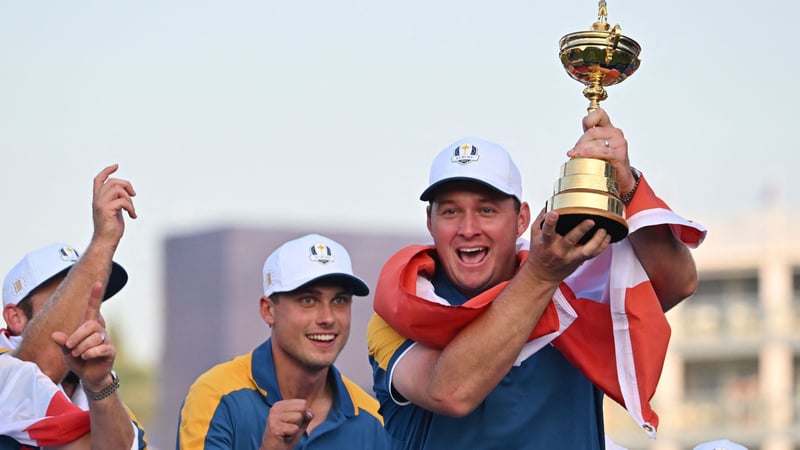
x=587, y=188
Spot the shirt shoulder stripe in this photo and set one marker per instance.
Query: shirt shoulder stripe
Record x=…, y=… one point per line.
x=205, y=396
x=361, y=399
x=383, y=341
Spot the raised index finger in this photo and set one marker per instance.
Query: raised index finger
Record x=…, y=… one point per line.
x=93, y=305
x=103, y=176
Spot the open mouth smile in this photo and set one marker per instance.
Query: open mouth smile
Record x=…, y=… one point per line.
x=472, y=255
x=322, y=337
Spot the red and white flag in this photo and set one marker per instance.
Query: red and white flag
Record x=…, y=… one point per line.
x=33, y=410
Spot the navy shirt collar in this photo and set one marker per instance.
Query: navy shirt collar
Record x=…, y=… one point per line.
x=445, y=289
x=263, y=372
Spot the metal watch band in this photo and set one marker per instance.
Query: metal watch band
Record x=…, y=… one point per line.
x=106, y=391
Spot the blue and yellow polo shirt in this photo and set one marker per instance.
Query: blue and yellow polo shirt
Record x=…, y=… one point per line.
x=544, y=402
x=227, y=408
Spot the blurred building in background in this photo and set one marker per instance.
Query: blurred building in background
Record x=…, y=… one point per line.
x=732, y=372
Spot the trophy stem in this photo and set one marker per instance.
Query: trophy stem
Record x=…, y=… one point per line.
x=595, y=91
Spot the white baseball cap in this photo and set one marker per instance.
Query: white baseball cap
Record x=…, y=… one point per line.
x=43, y=264
x=308, y=259
x=472, y=159
x=723, y=444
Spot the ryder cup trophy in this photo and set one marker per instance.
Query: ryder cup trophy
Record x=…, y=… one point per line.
x=587, y=188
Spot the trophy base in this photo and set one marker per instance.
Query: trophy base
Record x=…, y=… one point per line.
x=569, y=218
x=587, y=190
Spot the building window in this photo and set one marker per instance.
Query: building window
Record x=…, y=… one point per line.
x=724, y=304
x=722, y=393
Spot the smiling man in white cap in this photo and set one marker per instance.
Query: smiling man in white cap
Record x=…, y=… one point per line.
x=459, y=343
x=287, y=393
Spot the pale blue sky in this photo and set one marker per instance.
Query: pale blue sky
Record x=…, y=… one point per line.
x=327, y=114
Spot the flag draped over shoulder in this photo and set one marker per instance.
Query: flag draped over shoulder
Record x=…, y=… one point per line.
x=33, y=410
x=605, y=317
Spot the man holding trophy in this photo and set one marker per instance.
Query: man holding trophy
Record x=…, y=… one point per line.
x=487, y=340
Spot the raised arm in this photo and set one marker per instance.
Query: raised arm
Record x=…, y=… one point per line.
x=667, y=261
x=64, y=311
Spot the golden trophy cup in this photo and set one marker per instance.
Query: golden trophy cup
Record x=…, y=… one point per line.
x=587, y=187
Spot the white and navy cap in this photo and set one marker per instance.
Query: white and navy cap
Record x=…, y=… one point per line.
x=723, y=444
x=472, y=159
x=308, y=259
x=43, y=264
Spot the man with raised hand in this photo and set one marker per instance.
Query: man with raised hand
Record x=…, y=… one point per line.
x=110, y=197
x=45, y=298
x=486, y=340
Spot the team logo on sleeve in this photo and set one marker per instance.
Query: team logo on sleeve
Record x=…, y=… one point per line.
x=321, y=253
x=465, y=154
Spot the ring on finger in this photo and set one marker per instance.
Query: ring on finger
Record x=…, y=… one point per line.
x=102, y=338
x=605, y=142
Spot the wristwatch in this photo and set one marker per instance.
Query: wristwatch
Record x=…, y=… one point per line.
x=106, y=391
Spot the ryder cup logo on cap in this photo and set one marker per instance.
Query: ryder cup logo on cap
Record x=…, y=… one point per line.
x=309, y=259
x=321, y=253
x=43, y=264
x=472, y=159
x=465, y=154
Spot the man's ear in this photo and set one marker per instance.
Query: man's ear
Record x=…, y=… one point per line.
x=15, y=319
x=428, y=212
x=523, y=219
x=267, y=308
